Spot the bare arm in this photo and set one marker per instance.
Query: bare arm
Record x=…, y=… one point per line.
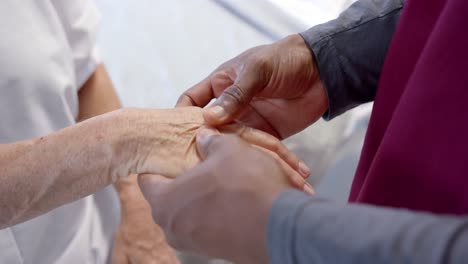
x=41, y=174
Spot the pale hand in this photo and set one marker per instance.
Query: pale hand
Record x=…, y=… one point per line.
x=138, y=239
x=164, y=143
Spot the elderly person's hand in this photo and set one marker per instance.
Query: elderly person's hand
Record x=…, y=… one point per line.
x=275, y=88
x=138, y=239
x=174, y=150
x=220, y=208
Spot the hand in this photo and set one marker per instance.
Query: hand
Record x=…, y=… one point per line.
x=138, y=238
x=220, y=208
x=163, y=142
x=275, y=88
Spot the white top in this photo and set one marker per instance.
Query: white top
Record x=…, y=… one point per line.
x=47, y=53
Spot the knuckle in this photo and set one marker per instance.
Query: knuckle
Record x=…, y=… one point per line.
x=260, y=61
x=277, y=147
x=236, y=94
x=262, y=67
x=181, y=98
x=185, y=99
x=219, y=142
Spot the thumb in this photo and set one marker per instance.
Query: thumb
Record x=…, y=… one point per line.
x=153, y=181
x=152, y=186
x=210, y=142
x=119, y=255
x=250, y=81
x=206, y=139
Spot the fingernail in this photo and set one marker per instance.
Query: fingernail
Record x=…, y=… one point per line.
x=308, y=189
x=304, y=170
x=204, y=135
x=218, y=111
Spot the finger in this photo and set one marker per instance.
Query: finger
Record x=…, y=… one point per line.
x=118, y=253
x=199, y=95
x=154, y=187
x=294, y=177
x=210, y=141
x=153, y=179
x=119, y=258
x=236, y=97
x=145, y=258
x=169, y=203
x=267, y=141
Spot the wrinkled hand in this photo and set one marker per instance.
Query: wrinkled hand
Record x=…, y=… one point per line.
x=220, y=208
x=138, y=239
x=275, y=88
x=164, y=143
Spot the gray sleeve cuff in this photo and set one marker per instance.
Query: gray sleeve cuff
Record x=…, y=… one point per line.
x=302, y=229
x=281, y=226
x=350, y=51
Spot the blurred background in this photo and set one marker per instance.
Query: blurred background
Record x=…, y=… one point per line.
x=154, y=50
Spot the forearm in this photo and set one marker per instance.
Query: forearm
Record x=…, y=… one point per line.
x=41, y=174
x=328, y=233
x=96, y=97
x=350, y=51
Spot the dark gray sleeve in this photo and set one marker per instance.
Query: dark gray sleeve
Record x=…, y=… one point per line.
x=350, y=51
x=303, y=230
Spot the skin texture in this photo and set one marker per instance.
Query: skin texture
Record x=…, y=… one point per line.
x=219, y=208
x=275, y=88
x=177, y=151
x=138, y=239
x=37, y=174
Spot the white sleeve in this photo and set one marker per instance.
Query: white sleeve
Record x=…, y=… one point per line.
x=80, y=20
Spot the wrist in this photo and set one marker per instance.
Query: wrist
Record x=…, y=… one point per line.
x=134, y=137
x=118, y=137
x=154, y=141
x=296, y=41
x=108, y=135
x=130, y=195
x=318, y=93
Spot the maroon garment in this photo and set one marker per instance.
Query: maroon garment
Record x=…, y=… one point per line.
x=416, y=150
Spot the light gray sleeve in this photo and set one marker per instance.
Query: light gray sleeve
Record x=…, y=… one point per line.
x=303, y=230
x=350, y=51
